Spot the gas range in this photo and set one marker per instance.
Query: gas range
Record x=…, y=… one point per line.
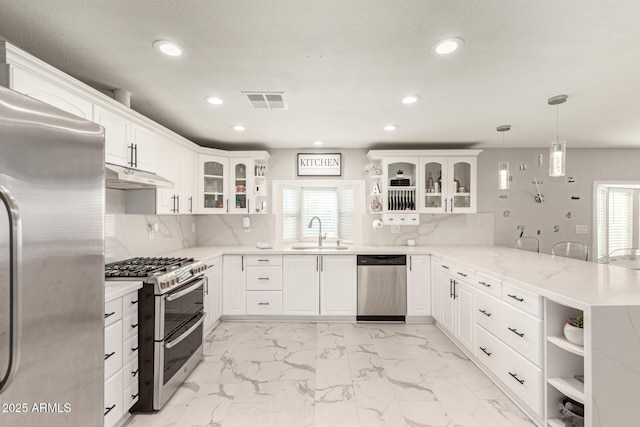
x=164, y=273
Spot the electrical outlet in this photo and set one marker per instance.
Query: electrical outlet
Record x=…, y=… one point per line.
x=582, y=229
x=395, y=229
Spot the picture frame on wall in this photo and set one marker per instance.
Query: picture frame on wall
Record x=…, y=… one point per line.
x=319, y=164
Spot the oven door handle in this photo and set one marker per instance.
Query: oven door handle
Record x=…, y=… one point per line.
x=188, y=332
x=176, y=295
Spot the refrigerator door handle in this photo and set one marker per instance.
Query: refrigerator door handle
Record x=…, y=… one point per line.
x=15, y=275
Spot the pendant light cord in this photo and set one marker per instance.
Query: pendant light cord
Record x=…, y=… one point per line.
x=557, y=122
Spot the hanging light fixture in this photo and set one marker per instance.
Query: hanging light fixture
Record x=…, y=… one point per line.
x=503, y=167
x=557, y=151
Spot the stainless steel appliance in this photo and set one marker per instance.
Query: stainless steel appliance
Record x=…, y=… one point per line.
x=51, y=266
x=382, y=288
x=170, y=317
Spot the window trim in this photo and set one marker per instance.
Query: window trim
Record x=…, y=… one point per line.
x=358, y=203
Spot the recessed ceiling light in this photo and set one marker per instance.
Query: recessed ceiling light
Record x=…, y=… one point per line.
x=390, y=128
x=411, y=99
x=214, y=100
x=238, y=128
x=169, y=48
x=318, y=143
x=447, y=46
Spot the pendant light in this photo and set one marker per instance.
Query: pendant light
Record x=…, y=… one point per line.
x=503, y=167
x=557, y=150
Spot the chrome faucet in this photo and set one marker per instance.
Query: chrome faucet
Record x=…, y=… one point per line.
x=320, y=237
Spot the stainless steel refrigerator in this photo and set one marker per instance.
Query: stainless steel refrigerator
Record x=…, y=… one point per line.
x=51, y=266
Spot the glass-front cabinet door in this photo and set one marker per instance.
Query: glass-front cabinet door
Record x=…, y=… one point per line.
x=462, y=184
x=241, y=185
x=432, y=195
x=400, y=179
x=213, y=185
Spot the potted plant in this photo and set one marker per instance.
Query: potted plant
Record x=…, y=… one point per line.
x=574, y=330
x=399, y=173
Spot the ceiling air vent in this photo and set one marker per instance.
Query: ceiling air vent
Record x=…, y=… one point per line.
x=268, y=100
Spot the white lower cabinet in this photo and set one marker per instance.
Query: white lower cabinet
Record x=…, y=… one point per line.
x=418, y=285
x=233, y=285
x=436, y=299
x=301, y=285
x=320, y=285
x=213, y=294
x=447, y=303
x=465, y=314
x=120, y=357
x=264, y=302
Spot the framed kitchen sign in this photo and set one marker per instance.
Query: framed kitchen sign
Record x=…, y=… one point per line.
x=319, y=164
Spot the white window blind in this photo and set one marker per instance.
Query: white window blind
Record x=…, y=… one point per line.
x=346, y=214
x=620, y=219
x=323, y=203
x=601, y=222
x=291, y=213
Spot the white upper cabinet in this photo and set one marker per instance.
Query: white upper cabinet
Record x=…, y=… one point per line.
x=449, y=184
x=213, y=195
x=241, y=185
x=51, y=93
x=400, y=178
x=127, y=143
x=178, y=164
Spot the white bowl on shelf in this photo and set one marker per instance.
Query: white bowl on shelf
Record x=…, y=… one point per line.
x=574, y=334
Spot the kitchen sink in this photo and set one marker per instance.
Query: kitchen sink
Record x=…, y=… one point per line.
x=319, y=248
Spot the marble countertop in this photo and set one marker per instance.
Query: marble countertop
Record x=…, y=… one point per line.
x=116, y=289
x=567, y=281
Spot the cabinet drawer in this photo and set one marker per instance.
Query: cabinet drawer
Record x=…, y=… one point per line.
x=264, y=302
x=130, y=326
x=130, y=396
x=130, y=303
x=130, y=350
x=112, y=348
x=263, y=260
x=264, y=278
x=113, y=408
x=488, y=284
x=463, y=273
x=131, y=373
x=524, y=300
x=112, y=311
x=522, y=377
x=519, y=330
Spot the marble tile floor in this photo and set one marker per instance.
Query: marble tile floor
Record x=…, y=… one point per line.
x=333, y=375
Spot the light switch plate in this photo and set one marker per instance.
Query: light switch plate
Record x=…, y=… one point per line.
x=582, y=229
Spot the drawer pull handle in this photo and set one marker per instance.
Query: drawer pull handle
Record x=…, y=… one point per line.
x=109, y=409
x=488, y=285
x=133, y=396
x=462, y=274
x=515, y=297
x=484, y=350
x=135, y=373
x=515, y=376
x=485, y=313
x=446, y=267
x=135, y=349
x=263, y=260
x=134, y=302
x=264, y=278
x=515, y=331
x=109, y=314
x=263, y=303
x=134, y=326
x=106, y=356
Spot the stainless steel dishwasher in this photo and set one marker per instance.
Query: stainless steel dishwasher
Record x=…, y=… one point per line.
x=382, y=288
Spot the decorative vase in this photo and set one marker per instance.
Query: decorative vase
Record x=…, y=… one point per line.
x=574, y=334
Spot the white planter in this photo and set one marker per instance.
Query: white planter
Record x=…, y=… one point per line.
x=573, y=334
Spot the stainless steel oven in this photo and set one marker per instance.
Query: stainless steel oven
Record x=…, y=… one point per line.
x=177, y=338
x=170, y=318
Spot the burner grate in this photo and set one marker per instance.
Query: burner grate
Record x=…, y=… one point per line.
x=144, y=266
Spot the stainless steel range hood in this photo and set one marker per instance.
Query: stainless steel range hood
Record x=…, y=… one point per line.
x=121, y=178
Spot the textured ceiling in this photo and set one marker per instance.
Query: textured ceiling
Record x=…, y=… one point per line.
x=345, y=65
